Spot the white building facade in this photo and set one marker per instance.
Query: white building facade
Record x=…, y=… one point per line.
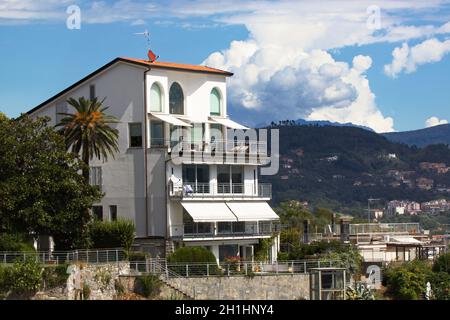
x=182, y=173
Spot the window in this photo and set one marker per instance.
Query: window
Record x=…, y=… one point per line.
x=155, y=98
x=92, y=92
x=197, y=133
x=197, y=176
x=97, y=211
x=95, y=177
x=230, y=179
x=215, y=102
x=135, y=130
x=156, y=133
x=61, y=107
x=113, y=213
x=176, y=99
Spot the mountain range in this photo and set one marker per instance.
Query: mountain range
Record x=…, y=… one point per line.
x=422, y=137
x=340, y=167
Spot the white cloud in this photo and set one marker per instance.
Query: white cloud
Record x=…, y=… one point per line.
x=406, y=59
x=434, y=121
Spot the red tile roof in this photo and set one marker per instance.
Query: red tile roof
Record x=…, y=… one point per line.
x=178, y=66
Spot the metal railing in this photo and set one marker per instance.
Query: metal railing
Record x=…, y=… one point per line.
x=60, y=257
x=410, y=228
x=241, y=268
x=221, y=190
x=224, y=229
x=213, y=145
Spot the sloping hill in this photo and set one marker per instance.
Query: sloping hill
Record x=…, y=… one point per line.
x=341, y=167
x=422, y=137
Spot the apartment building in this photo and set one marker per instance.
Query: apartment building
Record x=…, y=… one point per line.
x=183, y=174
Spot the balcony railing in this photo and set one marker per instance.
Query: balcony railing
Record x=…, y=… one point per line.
x=232, y=146
x=221, y=190
x=224, y=229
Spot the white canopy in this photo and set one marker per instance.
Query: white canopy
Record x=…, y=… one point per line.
x=405, y=240
x=170, y=119
x=252, y=210
x=208, y=211
x=228, y=123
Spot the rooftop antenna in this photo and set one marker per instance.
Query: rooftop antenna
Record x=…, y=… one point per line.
x=151, y=56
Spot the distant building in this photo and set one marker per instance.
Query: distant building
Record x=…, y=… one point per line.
x=424, y=183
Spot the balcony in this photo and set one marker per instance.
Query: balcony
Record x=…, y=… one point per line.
x=234, y=191
x=216, y=151
x=201, y=230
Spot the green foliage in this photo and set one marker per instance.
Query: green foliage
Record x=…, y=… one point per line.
x=348, y=257
x=113, y=234
x=54, y=276
x=359, y=292
x=137, y=256
x=22, y=279
x=87, y=130
x=191, y=255
x=104, y=278
x=262, y=249
x=440, y=285
x=86, y=291
x=40, y=187
x=149, y=285
x=119, y=287
x=442, y=263
x=407, y=281
x=15, y=242
x=314, y=250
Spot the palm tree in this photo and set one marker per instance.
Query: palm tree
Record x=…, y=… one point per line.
x=88, y=131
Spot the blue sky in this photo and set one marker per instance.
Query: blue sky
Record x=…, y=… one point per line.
x=291, y=59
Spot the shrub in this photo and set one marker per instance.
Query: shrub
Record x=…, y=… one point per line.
x=149, y=285
x=25, y=277
x=440, y=285
x=14, y=242
x=193, y=255
x=137, y=256
x=113, y=234
x=442, y=263
x=408, y=281
x=86, y=291
x=54, y=276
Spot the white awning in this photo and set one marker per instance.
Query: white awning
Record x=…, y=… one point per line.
x=170, y=119
x=228, y=123
x=208, y=211
x=405, y=240
x=252, y=211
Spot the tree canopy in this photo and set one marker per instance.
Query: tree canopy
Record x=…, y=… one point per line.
x=41, y=190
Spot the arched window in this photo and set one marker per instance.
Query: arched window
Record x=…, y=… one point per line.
x=155, y=98
x=176, y=99
x=215, y=102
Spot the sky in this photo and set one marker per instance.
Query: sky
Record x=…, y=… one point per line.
x=384, y=64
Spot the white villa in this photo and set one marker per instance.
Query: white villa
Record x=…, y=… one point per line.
x=179, y=175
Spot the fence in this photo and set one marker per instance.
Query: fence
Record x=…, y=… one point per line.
x=60, y=257
x=243, y=268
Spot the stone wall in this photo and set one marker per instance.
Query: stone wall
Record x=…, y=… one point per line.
x=276, y=287
x=99, y=280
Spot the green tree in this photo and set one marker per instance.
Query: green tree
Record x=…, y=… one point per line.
x=442, y=263
x=88, y=131
x=407, y=281
x=41, y=191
